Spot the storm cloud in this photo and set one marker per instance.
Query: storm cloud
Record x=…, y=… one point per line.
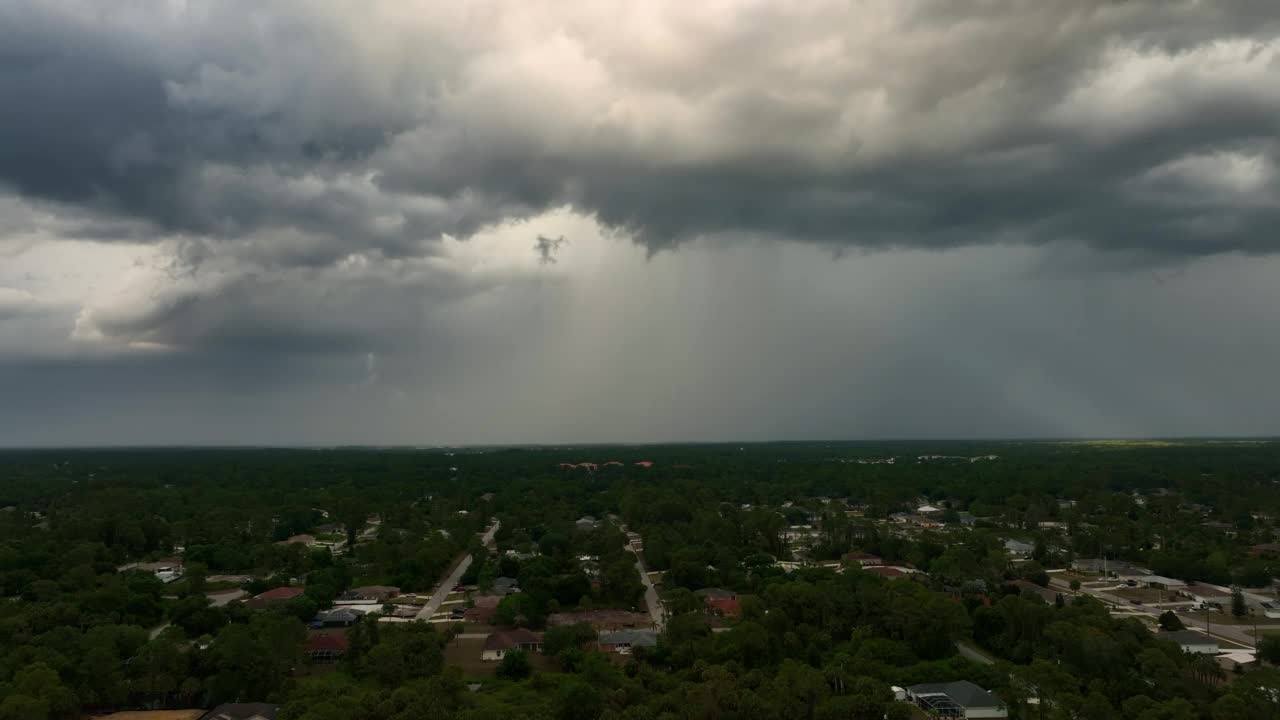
x=381, y=189
x=928, y=123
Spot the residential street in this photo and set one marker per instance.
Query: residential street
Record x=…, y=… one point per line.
x=651, y=599
x=217, y=599
x=971, y=653
x=446, y=587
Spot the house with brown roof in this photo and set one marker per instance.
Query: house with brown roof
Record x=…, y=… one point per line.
x=498, y=644
x=712, y=593
x=601, y=619
x=273, y=596
x=483, y=608
x=326, y=646
x=861, y=559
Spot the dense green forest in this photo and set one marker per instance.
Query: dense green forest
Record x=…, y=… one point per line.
x=82, y=632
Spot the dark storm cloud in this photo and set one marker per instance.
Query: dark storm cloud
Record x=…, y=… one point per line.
x=930, y=124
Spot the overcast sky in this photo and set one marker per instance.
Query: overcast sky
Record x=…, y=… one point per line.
x=449, y=222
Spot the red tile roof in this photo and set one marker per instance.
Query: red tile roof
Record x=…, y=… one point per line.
x=508, y=639
x=325, y=642
x=727, y=607
x=280, y=593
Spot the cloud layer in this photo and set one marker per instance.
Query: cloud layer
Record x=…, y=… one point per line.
x=382, y=126
x=423, y=195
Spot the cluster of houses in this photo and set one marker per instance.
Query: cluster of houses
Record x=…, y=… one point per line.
x=1202, y=595
x=609, y=464
x=617, y=631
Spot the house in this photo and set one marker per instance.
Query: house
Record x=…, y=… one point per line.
x=645, y=463
x=325, y=647
x=1191, y=641
x=716, y=594
x=862, y=559
x=483, y=609
x=1207, y=594
x=242, y=711
x=586, y=523
x=337, y=617
x=621, y=641
x=724, y=607
x=498, y=644
x=1240, y=659
x=928, y=510
x=504, y=586
x=1017, y=548
x=1226, y=529
x=271, y=597
x=1032, y=590
x=307, y=540
x=601, y=619
x=1159, y=582
x=960, y=699
x=1266, y=549
x=885, y=571
x=368, y=594
x=1118, y=568
x=166, y=571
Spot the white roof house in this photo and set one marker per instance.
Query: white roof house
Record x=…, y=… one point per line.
x=1192, y=641
x=1161, y=581
x=1018, y=548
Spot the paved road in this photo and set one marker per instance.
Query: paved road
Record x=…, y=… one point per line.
x=487, y=537
x=651, y=599
x=446, y=587
x=1231, y=633
x=215, y=600
x=971, y=653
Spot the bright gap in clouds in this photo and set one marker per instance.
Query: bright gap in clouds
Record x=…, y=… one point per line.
x=718, y=339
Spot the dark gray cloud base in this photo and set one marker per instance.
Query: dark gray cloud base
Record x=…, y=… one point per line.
x=342, y=221
x=1148, y=124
